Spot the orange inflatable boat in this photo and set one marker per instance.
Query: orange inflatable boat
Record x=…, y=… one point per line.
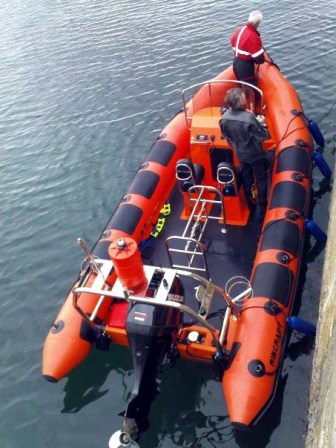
x=184, y=270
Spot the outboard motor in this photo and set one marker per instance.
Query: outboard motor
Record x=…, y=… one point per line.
x=151, y=332
x=151, y=329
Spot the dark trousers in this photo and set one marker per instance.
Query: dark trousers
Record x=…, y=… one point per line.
x=244, y=71
x=258, y=171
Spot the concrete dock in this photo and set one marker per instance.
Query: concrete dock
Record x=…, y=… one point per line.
x=322, y=397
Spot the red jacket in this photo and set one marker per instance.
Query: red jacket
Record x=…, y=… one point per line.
x=246, y=44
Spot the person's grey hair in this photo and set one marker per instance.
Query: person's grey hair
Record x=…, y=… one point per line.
x=235, y=99
x=255, y=17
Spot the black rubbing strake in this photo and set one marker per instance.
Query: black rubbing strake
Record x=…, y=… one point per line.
x=144, y=184
x=289, y=194
x=272, y=280
x=126, y=218
x=162, y=152
x=293, y=159
x=282, y=235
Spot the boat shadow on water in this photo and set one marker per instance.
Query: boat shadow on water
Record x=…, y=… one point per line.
x=174, y=403
x=84, y=384
x=181, y=420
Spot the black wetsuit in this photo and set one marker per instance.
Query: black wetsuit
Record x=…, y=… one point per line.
x=245, y=134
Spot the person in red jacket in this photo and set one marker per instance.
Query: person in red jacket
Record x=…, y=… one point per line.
x=248, y=49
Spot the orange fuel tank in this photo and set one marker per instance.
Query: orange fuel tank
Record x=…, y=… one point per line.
x=128, y=264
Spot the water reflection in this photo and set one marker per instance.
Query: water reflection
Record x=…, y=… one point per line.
x=324, y=187
x=194, y=429
x=314, y=250
x=304, y=345
x=177, y=414
x=84, y=383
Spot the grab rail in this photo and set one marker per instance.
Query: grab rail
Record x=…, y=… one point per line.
x=210, y=84
x=163, y=299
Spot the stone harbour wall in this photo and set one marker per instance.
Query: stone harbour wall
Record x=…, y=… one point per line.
x=322, y=396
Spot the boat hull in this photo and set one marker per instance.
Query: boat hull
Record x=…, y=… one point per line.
x=257, y=339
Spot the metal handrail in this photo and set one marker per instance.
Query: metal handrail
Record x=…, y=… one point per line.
x=157, y=302
x=150, y=301
x=217, y=81
x=199, y=199
x=90, y=257
x=163, y=300
x=193, y=221
x=186, y=251
x=219, y=290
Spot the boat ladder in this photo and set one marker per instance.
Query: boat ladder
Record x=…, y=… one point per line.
x=190, y=245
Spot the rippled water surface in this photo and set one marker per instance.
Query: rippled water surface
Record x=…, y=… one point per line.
x=85, y=87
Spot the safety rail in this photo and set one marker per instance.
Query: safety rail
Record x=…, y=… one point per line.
x=211, y=102
x=195, y=229
x=163, y=298
x=101, y=267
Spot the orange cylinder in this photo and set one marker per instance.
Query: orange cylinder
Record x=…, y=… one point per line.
x=127, y=262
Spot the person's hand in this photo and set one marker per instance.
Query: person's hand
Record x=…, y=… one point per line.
x=261, y=119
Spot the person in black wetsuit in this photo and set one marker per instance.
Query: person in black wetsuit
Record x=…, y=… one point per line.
x=245, y=133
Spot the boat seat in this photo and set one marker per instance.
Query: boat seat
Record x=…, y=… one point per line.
x=228, y=179
x=188, y=174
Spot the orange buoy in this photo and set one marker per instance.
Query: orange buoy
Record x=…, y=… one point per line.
x=128, y=264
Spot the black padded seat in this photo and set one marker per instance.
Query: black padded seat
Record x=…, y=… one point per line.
x=188, y=174
x=218, y=155
x=228, y=178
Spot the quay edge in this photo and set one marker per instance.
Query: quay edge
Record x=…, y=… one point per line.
x=322, y=396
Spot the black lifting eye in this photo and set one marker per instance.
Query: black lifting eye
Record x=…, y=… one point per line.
x=57, y=326
x=272, y=308
x=297, y=176
x=283, y=258
x=292, y=215
x=301, y=143
x=256, y=368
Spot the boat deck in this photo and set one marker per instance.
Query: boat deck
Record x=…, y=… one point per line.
x=227, y=254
